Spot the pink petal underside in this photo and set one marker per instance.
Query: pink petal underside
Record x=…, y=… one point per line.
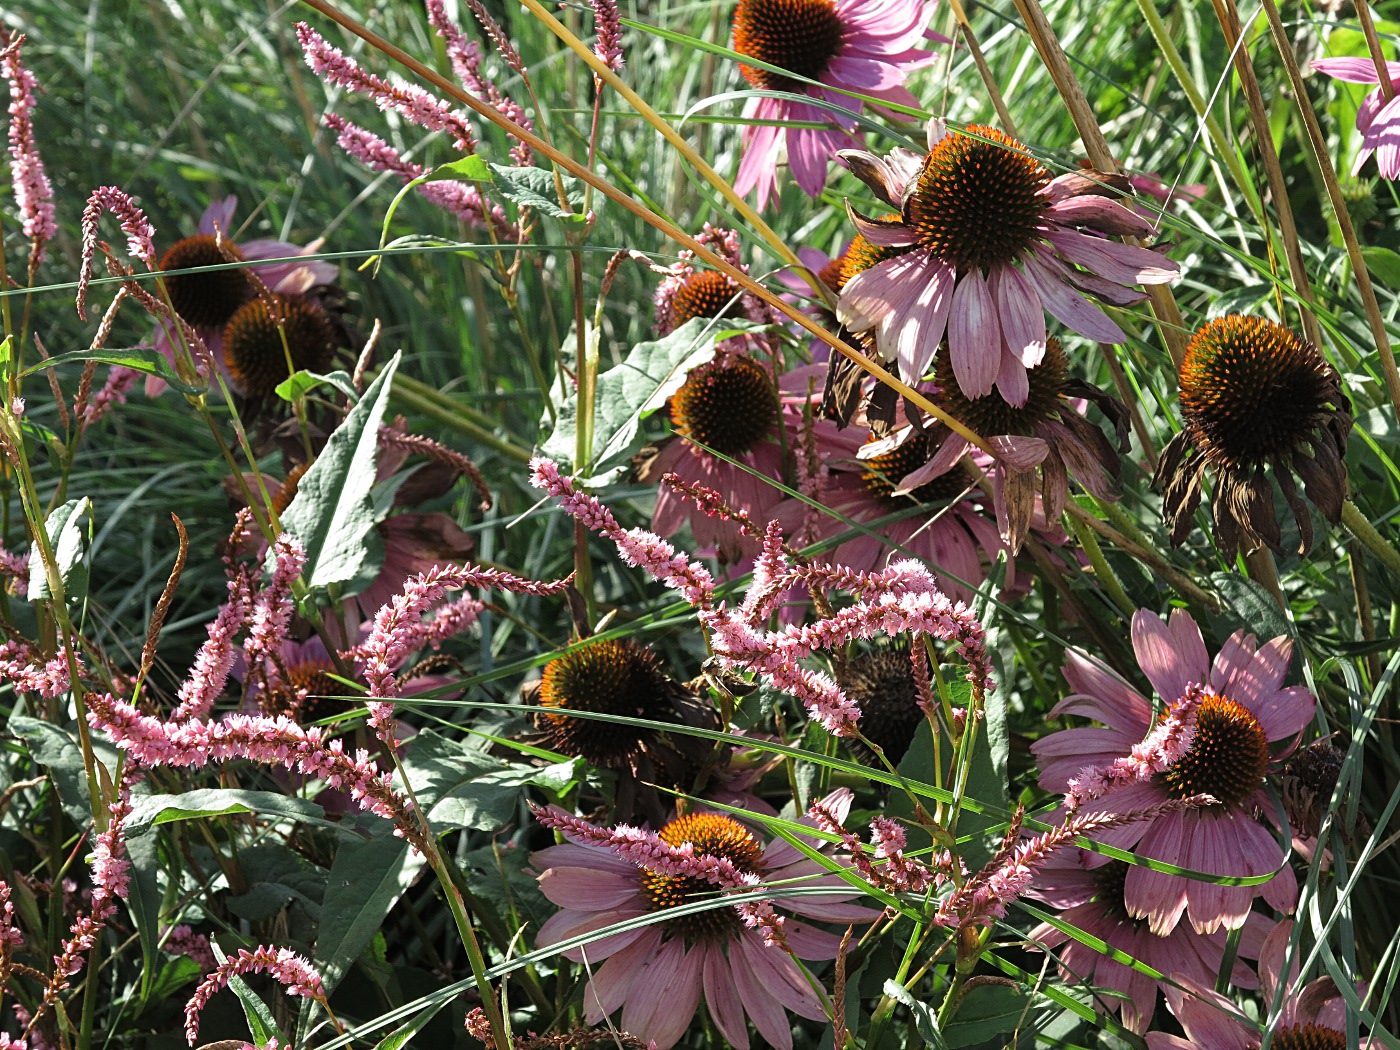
x=1272, y=958
x=1186, y=636
x=885, y=232
x=566, y=924
x=1067, y=306
x=808, y=942
x=1210, y=1019
x=1104, y=696
x=767, y=1015
x=1022, y=317
x=934, y=131
x=1383, y=136
x=1286, y=712
x=613, y=981
x=974, y=337
x=722, y=997
x=1121, y=263
x=863, y=74
x=1168, y=667
x=1234, y=658
x=871, y=295
x=1019, y=453
x=1255, y=676
x=896, y=26
x=1214, y=848
x=1098, y=213
x=758, y=169
x=1154, y=895
x=1263, y=854
x=949, y=452
x=917, y=332
x=780, y=976
x=665, y=995
x=1354, y=70
x=588, y=889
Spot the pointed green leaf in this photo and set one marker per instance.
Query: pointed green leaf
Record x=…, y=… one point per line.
x=68, y=536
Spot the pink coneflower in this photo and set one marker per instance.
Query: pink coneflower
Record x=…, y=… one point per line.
x=686, y=292
x=953, y=535
x=728, y=404
x=993, y=243
x=1377, y=120
x=1237, y=708
x=657, y=973
x=1091, y=900
x=865, y=46
x=210, y=299
x=1314, y=1016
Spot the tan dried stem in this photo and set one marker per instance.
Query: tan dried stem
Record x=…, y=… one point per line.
x=1373, y=44
x=1318, y=141
x=1229, y=17
x=1164, y=306
x=148, y=651
x=983, y=70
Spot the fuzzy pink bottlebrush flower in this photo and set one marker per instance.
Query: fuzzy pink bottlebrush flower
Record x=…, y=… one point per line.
x=1314, y=1016
x=208, y=301
x=140, y=235
x=1242, y=709
x=656, y=974
x=33, y=191
x=1377, y=120
x=288, y=968
x=1091, y=900
x=985, y=242
x=864, y=46
x=687, y=292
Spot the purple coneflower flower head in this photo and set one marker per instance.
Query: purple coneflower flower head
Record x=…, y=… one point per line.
x=728, y=405
x=1047, y=435
x=864, y=46
x=658, y=973
x=993, y=243
x=686, y=292
x=211, y=301
x=1377, y=120
x=954, y=534
x=1091, y=900
x=1255, y=395
x=1242, y=710
x=1314, y=1016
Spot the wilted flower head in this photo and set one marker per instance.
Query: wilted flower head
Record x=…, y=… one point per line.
x=859, y=45
x=993, y=242
x=1255, y=395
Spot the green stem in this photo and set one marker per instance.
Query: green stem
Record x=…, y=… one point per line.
x=1360, y=527
x=442, y=409
x=1104, y=573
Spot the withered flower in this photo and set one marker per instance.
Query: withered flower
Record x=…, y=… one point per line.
x=882, y=683
x=1255, y=395
x=621, y=677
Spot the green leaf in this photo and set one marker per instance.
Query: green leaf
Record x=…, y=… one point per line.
x=299, y=384
x=138, y=358
x=332, y=514
x=631, y=391
x=989, y=1010
x=535, y=188
x=1384, y=265
x=925, y=1019
x=366, y=879
x=406, y=1031
x=57, y=751
x=261, y=1024
x=67, y=528
x=472, y=168
x=143, y=902
x=148, y=811
x=1254, y=607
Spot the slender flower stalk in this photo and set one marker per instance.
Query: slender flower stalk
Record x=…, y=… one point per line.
x=286, y=966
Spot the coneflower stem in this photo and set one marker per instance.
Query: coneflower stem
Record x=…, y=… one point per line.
x=1360, y=527
x=1169, y=572
x=1356, y=564
x=1103, y=572
x=1263, y=571
x=1339, y=205
x=1373, y=44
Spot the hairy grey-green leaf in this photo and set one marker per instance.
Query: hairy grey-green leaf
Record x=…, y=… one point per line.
x=67, y=528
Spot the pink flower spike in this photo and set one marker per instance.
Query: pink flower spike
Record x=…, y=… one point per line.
x=215, y=658
x=272, y=609
x=286, y=966
x=140, y=235
x=608, y=26
x=33, y=191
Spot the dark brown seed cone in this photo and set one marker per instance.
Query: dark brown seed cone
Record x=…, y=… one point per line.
x=253, y=346
x=727, y=404
x=706, y=293
x=881, y=683
x=1256, y=401
x=798, y=35
x=206, y=299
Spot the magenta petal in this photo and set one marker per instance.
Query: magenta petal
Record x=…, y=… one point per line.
x=665, y=996
x=758, y=169
x=1069, y=307
x=1100, y=213
x=1170, y=669
x=1013, y=384
x=612, y=982
x=767, y=1015
x=873, y=294
x=1213, y=848
x=218, y=217
x=884, y=232
x=1119, y=705
x=779, y=975
x=974, y=337
x=1352, y=70
x=1019, y=453
x=1120, y=263
x=588, y=889
x=726, y=1008
x=1154, y=895
x=1022, y=317
x=1263, y=674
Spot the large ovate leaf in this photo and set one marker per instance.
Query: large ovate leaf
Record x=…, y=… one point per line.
x=147, y=811
x=67, y=528
x=333, y=515
x=57, y=751
x=632, y=390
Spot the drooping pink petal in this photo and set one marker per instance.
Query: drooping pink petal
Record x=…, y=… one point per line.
x=1121, y=263
x=974, y=336
x=1067, y=306
x=1099, y=213
x=665, y=995
x=1354, y=70
x=873, y=294
x=918, y=330
x=1156, y=896
x=722, y=997
x=587, y=889
x=1021, y=315
x=614, y=980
